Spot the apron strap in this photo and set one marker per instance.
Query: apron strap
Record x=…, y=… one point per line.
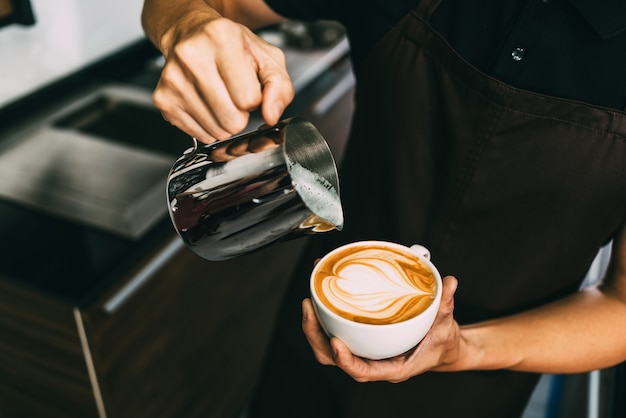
x=425, y=8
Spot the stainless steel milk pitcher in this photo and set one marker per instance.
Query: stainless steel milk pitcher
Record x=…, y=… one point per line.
x=235, y=196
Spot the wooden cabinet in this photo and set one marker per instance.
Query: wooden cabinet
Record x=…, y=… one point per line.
x=188, y=343
x=42, y=369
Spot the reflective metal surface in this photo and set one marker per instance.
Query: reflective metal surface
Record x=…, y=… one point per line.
x=236, y=196
x=95, y=161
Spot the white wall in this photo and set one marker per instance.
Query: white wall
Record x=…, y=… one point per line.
x=67, y=35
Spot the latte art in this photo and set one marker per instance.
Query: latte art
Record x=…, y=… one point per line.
x=375, y=285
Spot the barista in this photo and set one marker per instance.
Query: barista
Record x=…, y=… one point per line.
x=497, y=133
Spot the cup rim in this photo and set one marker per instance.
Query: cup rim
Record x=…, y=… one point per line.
x=434, y=304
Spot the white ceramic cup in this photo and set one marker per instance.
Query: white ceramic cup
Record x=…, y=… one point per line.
x=374, y=341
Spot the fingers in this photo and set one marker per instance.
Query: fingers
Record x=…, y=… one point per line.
x=335, y=352
x=182, y=102
x=392, y=370
x=358, y=368
x=216, y=76
x=450, y=284
x=315, y=334
x=444, y=331
x=440, y=348
x=271, y=71
x=278, y=90
x=436, y=351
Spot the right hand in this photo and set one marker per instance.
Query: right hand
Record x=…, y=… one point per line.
x=217, y=71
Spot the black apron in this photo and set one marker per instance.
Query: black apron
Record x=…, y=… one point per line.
x=513, y=192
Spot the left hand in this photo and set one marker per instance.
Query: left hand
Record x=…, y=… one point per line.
x=439, y=350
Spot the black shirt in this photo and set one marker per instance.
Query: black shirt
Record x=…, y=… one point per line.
x=574, y=49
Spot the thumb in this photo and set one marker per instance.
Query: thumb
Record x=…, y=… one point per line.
x=277, y=94
x=450, y=284
x=278, y=89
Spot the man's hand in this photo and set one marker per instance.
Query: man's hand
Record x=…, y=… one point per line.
x=439, y=349
x=217, y=75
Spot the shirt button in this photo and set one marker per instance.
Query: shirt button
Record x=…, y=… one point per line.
x=517, y=54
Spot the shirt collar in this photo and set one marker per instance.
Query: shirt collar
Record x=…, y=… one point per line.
x=607, y=17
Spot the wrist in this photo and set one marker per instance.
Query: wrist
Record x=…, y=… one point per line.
x=183, y=26
x=480, y=350
x=165, y=23
x=467, y=355
x=471, y=350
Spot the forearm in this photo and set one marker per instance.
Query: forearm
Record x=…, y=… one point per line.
x=584, y=332
x=165, y=20
x=160, y=18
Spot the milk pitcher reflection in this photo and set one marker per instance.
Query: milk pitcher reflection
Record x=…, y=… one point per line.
x=239, y=195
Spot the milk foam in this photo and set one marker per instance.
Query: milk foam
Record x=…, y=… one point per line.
x=321, y=197
x=376, y=286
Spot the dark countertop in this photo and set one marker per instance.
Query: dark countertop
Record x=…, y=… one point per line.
x=66, y=260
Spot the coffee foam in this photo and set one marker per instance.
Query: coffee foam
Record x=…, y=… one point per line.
x=380, y=285
x=320, y=196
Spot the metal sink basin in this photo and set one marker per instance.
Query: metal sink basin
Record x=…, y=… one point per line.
x=102, y=161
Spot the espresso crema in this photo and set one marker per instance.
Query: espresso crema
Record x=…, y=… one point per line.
x=375, y=284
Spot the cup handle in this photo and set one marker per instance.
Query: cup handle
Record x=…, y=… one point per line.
x=421, y=250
